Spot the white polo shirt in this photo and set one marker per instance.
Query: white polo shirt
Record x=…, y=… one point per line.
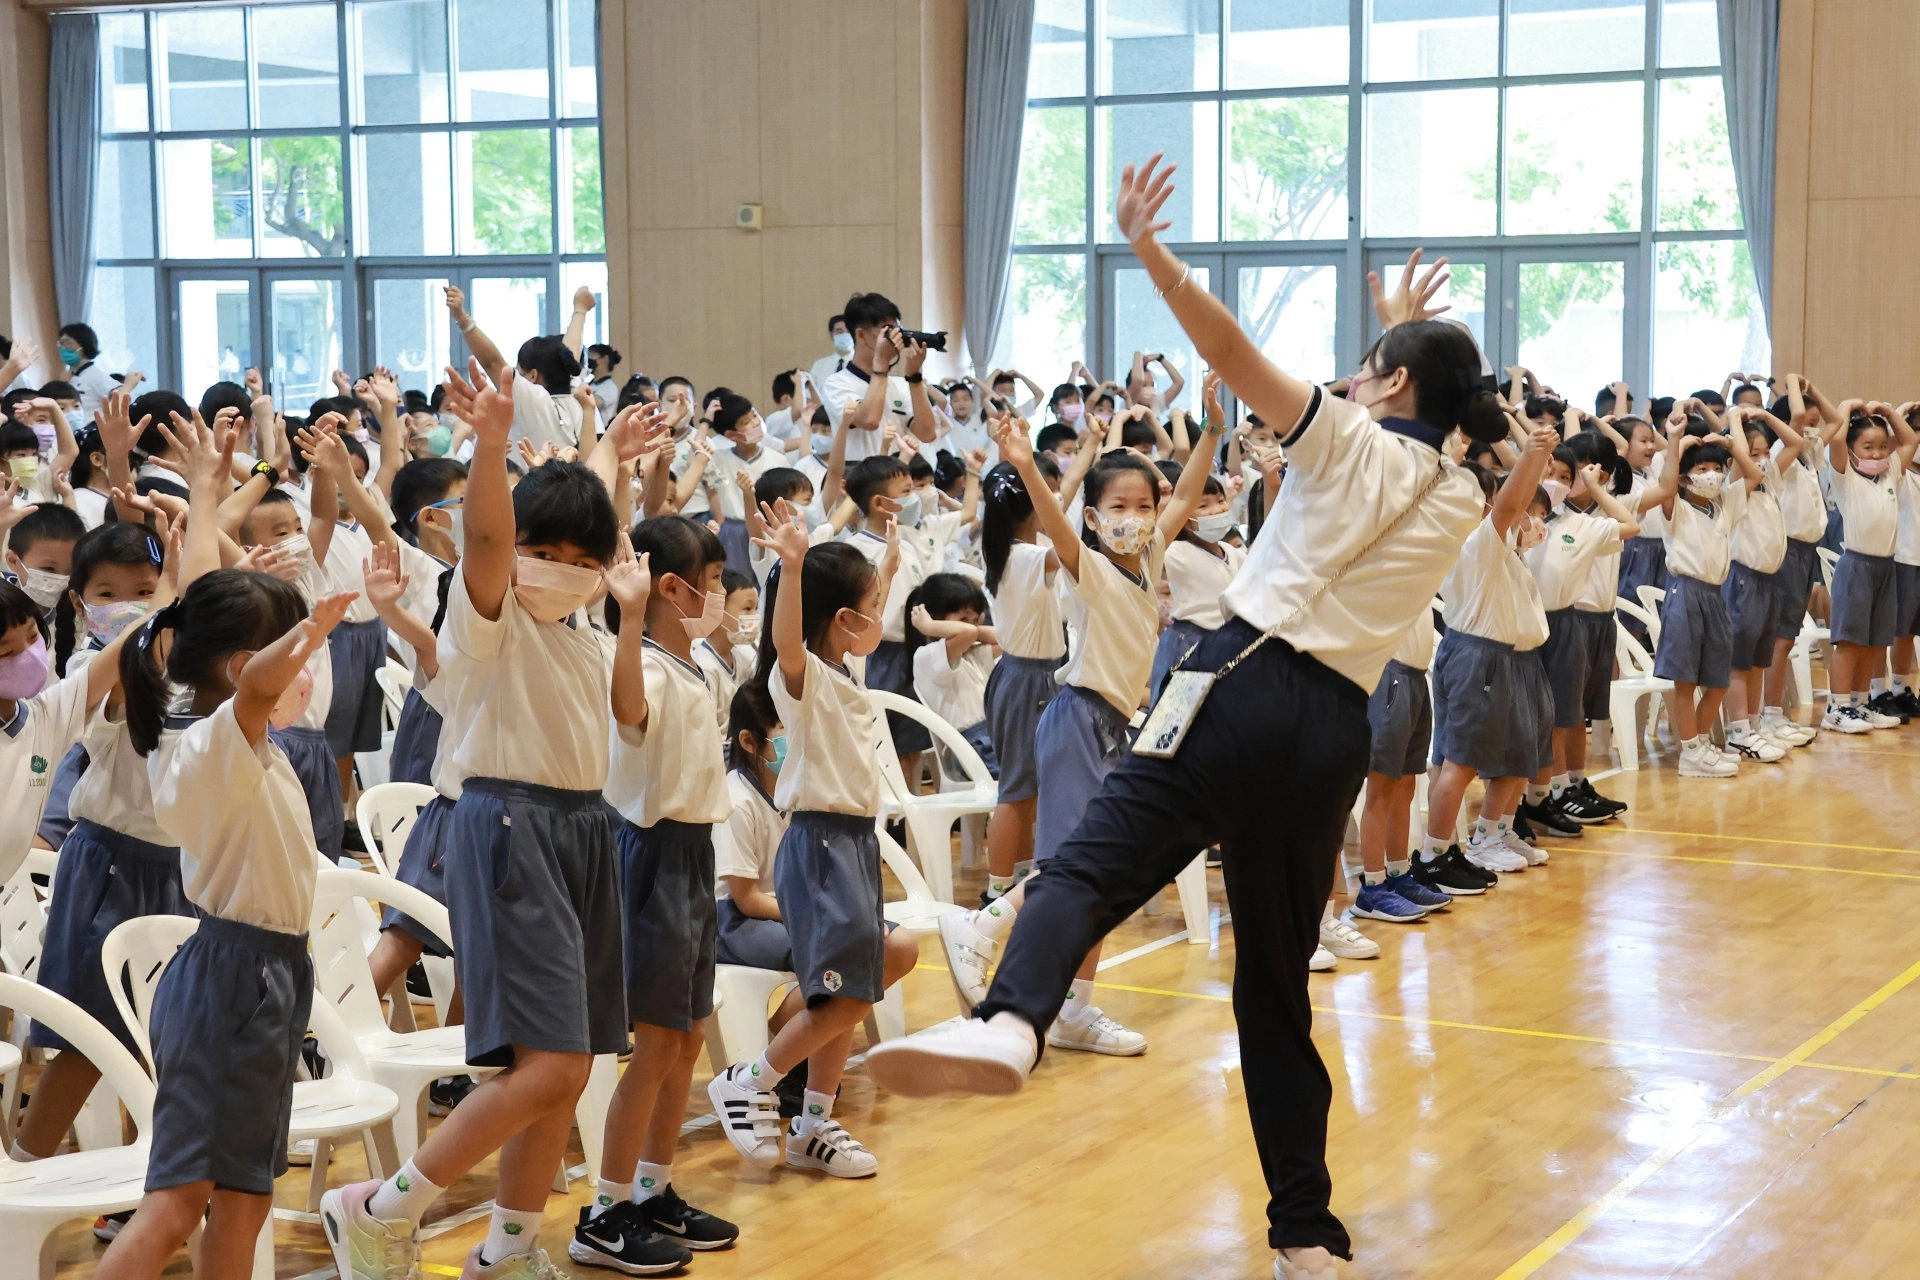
x=1562, y=566
x=114, y=791
x=850, y=384
x=1802, y=506
x=1026, y=606
x=540, y=418
x=1198, y=578
x=745, y=844
x=725, y=672
x=1906, y=547
x=1348, y=478
x=530, y=700
x=923, y=552
x=239, y=814
x=1489, y=592
x=1116, y=624
x=1869, y=509
x=672, y=766
x=726, y=464
x=1700, y=543
x=1760, y=539
x=31, y=744
x=953, y=689
x=833, y=745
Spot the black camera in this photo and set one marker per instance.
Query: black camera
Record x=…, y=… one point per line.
x=931, y=341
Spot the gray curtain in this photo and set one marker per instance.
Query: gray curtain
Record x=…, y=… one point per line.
x=73, y=145
x=1750, y=66
x=999, y=40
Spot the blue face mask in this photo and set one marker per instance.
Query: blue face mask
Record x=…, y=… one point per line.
x=843, y=343
x=439, y=440
x=70, y=357
x=779, y=744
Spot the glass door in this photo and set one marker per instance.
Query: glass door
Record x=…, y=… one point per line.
x=216, y=325
x=407, y=326
x=1134, y=319
x=1571, y=317
x=1465, y=293
x=304, y=331
x=1289, y=304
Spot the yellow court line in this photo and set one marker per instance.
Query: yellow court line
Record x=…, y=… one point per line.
x=1577, y=1226
x=1803, y=844
x=1742, y=862
x=439, y=1270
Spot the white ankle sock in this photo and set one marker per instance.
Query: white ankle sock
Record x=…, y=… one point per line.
x=1772, y=715
x=607, y=1193
x=760, y=1073
x=1537, y=794
x=510, y=1231
x=1739, y=726
x=1079, y=996
x=1373, y=877
x=815, y=1110
x=995, y=919
x=20, y=1155
x=1576, y=776
x=1400, y=867
x=407, y=1194
x=649, y=1180
x=1432, y=848
x=1559, y=785
x=1898, y=684
x=1877, y=686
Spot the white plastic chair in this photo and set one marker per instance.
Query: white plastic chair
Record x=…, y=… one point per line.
x=1647, y=612
x=23, y=925
x=1828, y=560
x=929, y=818
x=385, y=814
x=394, y=681
x=38, y=1198
x=919, y=912
x=742, y=1000
x=1636, y=683
x=345, y=1104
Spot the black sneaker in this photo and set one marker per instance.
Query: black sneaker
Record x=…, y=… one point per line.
x=1615, y=807
x=1523, y=829
x=1576, y=807
x=1908, y=702
x=445, y=1094
x=1888, y=704
x=1549, y=821
x=679, y=1221
x=1451, y=874
x=790, y=1094
x=619, y=1239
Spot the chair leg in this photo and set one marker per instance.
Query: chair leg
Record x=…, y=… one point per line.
x=590, y=1113
x=933, y=850
x=317, y=1176
x=1192, y=884
x=716, y=1045
x=888, y=1021
x=263, y=1251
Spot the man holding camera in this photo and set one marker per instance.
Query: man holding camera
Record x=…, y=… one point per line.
x=878, y=400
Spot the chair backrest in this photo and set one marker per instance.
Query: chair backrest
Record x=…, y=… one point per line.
x=1647, y=618
x=1650, y=597
x=394, y=681
x=384, y=814
x=1635, y=662
x=23, y=924
x=1828, y=559
x=943, y=733
x=340, y=970
x=895, y=859
x=78, y=1028
x=135, y=955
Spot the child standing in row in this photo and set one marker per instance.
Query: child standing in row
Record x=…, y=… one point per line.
x=1752, y=595
x=1870, y=451
x=1803, y=509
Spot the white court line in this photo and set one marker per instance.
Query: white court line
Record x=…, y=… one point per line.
x=1112, y=962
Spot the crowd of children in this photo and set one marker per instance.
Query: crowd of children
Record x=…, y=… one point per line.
x=199, y=598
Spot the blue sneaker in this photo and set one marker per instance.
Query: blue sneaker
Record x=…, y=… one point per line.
x=1418, y=894
x=1381, y=902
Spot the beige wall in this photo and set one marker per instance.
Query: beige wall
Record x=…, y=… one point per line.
x=26, y=274
x=1847, y=196
x=841, y=117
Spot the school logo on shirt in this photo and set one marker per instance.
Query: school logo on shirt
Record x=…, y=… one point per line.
x=39, y=766
x=1567, y=538
x=831, y=980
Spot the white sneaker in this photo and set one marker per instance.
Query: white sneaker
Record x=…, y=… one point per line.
x=1788, y=733
x=515, y=1266
x=1535, y=857
x=1878, y=721
x=365, y=1247
x=1315, y=1263
x=1094, y=1032
x=300, y=1154
x=1345, y=941
x=1491, y=854
x=968, y=953
x=748, y=1115
x=1845, y=720
x=969, y=1056
x=828, y=1148
x=1755, y=745
x=1705, y=761
x=1322, y=961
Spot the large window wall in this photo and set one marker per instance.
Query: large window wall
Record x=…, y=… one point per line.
x=1569, y=156
x=292, y=186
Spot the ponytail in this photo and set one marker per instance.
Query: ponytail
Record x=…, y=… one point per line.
x=1005, y=506
x=143, y=685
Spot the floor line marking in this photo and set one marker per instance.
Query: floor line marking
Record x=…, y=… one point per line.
x=1114, y=962
x=1741, y=862
x=1709, y=835
x=1579, y=1223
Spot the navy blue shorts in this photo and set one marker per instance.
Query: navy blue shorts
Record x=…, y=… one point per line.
x=1081, y=739
x=1865, y=596
x=1018, y=691
x=1752, y=602
x=1579, y=658
x=535, y=902
x=827, y=877
x=229, y=1017
x=1793, y=586
x=666, y=894
x=357, y=650
x=1696, y=637
x=751, y=940
x=416, y=742
x=314, y=764
x=423, y=865
x=1400, y=715
x=1492, y=707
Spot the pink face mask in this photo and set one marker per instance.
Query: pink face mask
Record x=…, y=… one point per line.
x=551, y=591
x=293, y=703
x=863, y=636
x=1070, y=413
x=1868, y=466
x=25, y=673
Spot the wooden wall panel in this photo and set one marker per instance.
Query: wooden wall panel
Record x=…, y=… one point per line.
x=1861, y=280
x=26, y=235
x=1864, y=135
x=830, y=139
x=696, y=295
x=693, y=100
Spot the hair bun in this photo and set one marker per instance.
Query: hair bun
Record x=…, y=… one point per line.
x=1482, y=417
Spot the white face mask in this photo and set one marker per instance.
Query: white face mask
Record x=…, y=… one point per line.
x=1532, y=533
x=300, y=550
x=43, y=588
x=746, y=629
x=713, y=608
x=910, y=511
x=107, y=621
x=1214, y=527
x=1707, y=484
x=1556, y=490
x=1123, y=535
x=843, y=343
x=550, y=591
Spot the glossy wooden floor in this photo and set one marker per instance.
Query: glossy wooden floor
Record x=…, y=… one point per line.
x=1689, y=1046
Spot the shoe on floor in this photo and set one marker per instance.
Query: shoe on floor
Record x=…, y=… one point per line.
x=969, y=1056
x=617, y=1240
x=1306, y=1264
x=1908, y=703
x=1615, y=807
x=1847, y=719
x=1322, y=960
x=1575, y=806
x=1451, y=874
x=365, y=1247
x=1382, y=902
x=300, y=1154
x=1879, y=720
x=1703, y=760
x=1514, y=844
x=968, y=954
x=515, y=1266
x=1410, y=887
x=1345, y=941
x=1755, y=744
x=828, y=1148
x=1094, y=1032
x=1888, y=704
x=747, y=1114
x=445, y=1094
x=1549, y=821
x=1490, y=853
x=1789, y=733
x=108, y=1225
x=672, y=1217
